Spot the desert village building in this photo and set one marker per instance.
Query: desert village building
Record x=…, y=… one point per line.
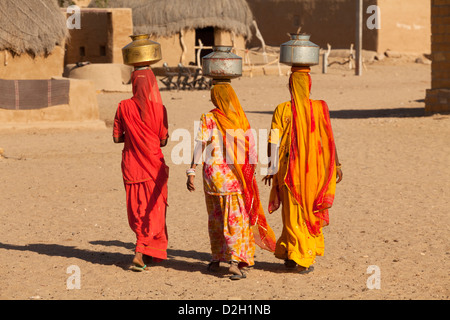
x=97, y=43
x=102, y=34
x=32, y=38
x=35, y=43
x=438, y=97
x=180, y=25
x=404, y=26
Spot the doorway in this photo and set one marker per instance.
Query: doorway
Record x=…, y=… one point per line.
x=206, y=35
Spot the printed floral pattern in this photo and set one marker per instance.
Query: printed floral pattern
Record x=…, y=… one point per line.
x=230, y=234
x=217, y=174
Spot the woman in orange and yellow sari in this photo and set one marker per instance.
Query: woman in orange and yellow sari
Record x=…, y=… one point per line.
x=236, y=219
x=304, y=173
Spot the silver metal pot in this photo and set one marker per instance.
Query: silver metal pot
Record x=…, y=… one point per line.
x=222, y=64
x=299, y=51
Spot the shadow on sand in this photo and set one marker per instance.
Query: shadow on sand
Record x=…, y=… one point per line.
x=369, y=113
x=182, y=260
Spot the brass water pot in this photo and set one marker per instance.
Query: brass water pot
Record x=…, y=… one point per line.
x=142, y=51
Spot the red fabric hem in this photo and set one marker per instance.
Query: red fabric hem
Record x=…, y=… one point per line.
x=152, y=252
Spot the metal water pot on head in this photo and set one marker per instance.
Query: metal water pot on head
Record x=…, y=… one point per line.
x=141, y=51
x=222, y=64
x=299, y=51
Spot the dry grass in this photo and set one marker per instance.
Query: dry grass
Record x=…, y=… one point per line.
x=167, y=17
x=34, y=27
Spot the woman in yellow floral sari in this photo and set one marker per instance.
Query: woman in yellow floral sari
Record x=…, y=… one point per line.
x=236, y=220
x=304, y=176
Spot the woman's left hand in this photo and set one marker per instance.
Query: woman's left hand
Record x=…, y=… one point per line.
x=339, y=175
x=190, y=183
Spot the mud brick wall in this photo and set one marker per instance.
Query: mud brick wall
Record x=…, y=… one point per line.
x=438, y=97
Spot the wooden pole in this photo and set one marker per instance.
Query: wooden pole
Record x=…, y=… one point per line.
x=263, y=43
x=183, y=46
x=199, y=63
x=359, y=37
x=325, y=59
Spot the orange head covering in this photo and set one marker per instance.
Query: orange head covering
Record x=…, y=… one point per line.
x=311, y=175
x=229, y=115
x=225, y=99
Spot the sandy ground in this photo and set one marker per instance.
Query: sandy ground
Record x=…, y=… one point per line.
x=63, y=202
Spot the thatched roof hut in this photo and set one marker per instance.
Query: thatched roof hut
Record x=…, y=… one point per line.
x=164, y=18
x=33, y=27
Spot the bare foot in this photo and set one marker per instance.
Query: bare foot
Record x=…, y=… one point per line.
x=234, y=269
x=304, y=270
x=236, y=272
x=138, y=262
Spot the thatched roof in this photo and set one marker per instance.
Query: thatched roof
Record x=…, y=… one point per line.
x=31, y=26
x=167, y=17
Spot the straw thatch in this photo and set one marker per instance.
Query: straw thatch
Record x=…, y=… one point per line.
x=163, y=18
x=31, y=26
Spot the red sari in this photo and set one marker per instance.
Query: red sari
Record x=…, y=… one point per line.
x=142, y=121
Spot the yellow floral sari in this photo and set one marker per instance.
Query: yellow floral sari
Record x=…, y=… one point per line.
x=230, y=116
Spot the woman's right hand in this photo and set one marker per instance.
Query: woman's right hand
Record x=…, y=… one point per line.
x=267, y=179
x=190, y=183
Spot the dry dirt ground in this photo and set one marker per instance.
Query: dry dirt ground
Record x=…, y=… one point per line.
x=63, y=202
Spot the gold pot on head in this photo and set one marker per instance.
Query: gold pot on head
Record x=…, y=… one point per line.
x=142, y=51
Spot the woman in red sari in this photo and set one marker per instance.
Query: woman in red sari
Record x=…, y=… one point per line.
x=141, y=123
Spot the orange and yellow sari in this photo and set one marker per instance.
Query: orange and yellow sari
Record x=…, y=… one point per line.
x=241, y=154
x=305, y=182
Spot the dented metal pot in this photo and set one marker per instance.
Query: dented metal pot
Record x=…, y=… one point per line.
x=222, y=64
x=299, y=51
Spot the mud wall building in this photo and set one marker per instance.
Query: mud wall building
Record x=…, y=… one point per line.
x=438, y=97
x=32, y=90
x=180, y=25
x=404, y=25
x=32, y=36
x=102, y=35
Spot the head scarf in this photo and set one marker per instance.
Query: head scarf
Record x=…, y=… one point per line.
x=148, y=98
x=241, y=151
x=146, y=123
x=311, y=175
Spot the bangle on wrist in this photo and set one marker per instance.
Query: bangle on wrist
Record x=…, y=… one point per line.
x=190, y=172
